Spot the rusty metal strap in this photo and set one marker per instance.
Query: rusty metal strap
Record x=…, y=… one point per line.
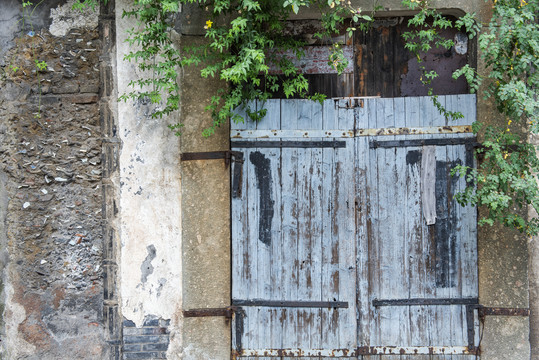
x=488, y=311
x=375, y=144
x=227, y=155
x=209, y=312
x=425, y=301
x=287, y=144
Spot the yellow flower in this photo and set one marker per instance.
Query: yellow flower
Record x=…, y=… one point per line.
x=208, y=24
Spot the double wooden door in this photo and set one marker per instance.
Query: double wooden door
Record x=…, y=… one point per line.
x=346, y=240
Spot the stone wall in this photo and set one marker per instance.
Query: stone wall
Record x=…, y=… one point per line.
x=51, y=196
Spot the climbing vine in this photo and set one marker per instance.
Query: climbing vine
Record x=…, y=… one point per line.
x=237, y=53
x=246, y=38
x=505, y=181
x=240, y=51
x=507, y=177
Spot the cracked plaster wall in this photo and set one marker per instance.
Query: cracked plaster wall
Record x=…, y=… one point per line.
x=149, y=204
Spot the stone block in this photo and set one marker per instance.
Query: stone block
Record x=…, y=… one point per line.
x=155, y=347
x=128, y=323
x=144, y=355
x=132, y=348
x=66, y=87
x=86, y=98
x=89, y=87
x=145, y=339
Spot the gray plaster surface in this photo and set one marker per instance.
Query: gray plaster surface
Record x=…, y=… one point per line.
x=205, y=222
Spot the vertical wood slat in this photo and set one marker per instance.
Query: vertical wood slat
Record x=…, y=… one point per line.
x=374, y=221
x=330, y=270
x=362, y=227
x=414, y=234
x=271, y=265
x=427, y=334
x=316, y=227
x=457, y=154
x=240, y=235
x=401, y=282
x=345, y=231
x=388, y=322
x=305, y=275
x=443, y=244
x=290, y=224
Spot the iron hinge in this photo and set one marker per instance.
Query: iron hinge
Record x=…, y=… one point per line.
x=211, y=312
x=229, y=156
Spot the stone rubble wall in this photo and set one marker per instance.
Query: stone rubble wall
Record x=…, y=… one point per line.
x=51, y=193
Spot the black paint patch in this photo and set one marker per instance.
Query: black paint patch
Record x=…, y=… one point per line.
x=263, y=177
x=413, y=157
x=446, y=225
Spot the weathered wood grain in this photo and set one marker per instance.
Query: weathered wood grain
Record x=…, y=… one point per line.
x=347, y=224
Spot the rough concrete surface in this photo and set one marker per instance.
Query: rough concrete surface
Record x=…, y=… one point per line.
x=505, y=338
x=206, y=222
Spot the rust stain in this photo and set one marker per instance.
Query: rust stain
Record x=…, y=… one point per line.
x=59, y=295
x=246, y=272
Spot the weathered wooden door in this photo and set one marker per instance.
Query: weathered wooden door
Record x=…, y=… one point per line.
x=332, y=254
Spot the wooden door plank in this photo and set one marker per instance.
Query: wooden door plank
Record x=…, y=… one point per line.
x=374, y=221
x=289, y=200
x=457, y=326
x=250, y=259
x=469, y=249
x=399, y=201
x=305, y=244
x=345, y=232
x=414, y=235
x=316, y=209
x=362, y=226
x=239, y=239
x=241, y=256
x=444, y=240
x=253, y=213
x=428, y=250
x=269, y=252
x=389, y=242
x=330, y=270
